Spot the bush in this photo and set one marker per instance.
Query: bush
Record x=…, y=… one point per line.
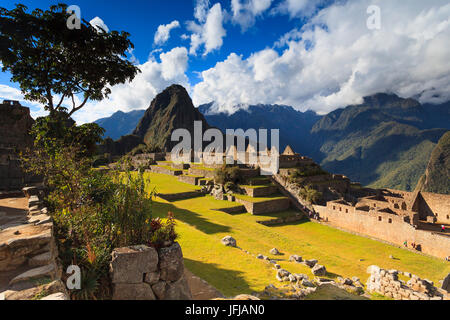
x=311, y=195
x=227, y=174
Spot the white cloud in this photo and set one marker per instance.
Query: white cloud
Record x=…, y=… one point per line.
x=209, y=32
x=334, y=60
x=298, y=8
x=245, y=11
x=138, y=94
x=163, y=33
x=98, y=23
x=201, y=10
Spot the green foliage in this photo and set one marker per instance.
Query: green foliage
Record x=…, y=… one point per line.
x=311, y=195
x=227, y=174
x=48, y=59
x=58, y=131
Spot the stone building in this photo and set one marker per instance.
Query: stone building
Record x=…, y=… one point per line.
x=404, y=218
x=15, y=124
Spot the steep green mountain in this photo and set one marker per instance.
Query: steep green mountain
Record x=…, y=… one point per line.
x=170, y=110
x=437, y=175
x=120, y=123
x=384, y=142
x=294, y=125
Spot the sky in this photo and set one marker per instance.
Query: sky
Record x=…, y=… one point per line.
x=310, y=54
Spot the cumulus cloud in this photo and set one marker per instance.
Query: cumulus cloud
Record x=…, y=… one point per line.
x=154, y=78
x=334, y=60
x=163, y=33
x=245, y=11
x=98, y=23
x=298, y=8
x=208, y=31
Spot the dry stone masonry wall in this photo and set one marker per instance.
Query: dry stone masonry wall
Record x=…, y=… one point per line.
x=387, y=283
x=144, y=273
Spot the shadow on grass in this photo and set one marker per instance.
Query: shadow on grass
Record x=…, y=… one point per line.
x=293, y=223
x=228, y=282
x=189, y=217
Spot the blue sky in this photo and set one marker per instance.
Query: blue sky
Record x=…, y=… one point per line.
x=310, y=54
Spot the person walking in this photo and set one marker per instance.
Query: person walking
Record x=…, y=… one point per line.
x=443, y=228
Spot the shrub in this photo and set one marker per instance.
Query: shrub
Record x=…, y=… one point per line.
x=311, y=195
x=227, y=174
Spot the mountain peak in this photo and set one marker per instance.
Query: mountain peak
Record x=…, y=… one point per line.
x=171, y=109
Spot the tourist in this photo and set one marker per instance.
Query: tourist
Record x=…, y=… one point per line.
x=405, y=243
x=443, y=228
x=447, y=258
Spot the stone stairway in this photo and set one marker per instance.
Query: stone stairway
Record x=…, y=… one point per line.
x=28, y=267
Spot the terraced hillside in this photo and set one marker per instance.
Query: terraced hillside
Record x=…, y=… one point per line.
x=201, y=226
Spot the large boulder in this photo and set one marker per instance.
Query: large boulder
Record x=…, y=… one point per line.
x=295, y=258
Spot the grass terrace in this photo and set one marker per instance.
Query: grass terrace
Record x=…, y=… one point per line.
x=234, y=272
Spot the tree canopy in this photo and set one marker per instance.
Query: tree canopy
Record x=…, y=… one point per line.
x=53, y=63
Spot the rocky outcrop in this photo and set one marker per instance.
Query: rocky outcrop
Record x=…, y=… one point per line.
x=170, y=110
x=144, y=273
x=437, y=174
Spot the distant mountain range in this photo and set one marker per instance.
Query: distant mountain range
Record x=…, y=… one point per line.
x=386, y=141
x=120, y=123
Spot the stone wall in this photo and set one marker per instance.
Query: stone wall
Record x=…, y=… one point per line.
x=274, y=222
x=201, y=172
x=28, y=255
x=388, y=284
x=263, y=207
x=144, y=273
x=189, y=179
x=260, y=191
x=438, y=205
x=15, y=124
x=163, y=170
x=390, y=228
x=180, y=196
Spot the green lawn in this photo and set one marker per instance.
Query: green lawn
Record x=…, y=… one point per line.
x=234, y=272
x=259, y=199
x=167, y=184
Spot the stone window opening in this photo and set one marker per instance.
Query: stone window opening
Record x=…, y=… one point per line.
x=380, y=218
x=390, y=220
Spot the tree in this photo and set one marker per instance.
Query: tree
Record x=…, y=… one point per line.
x=53, y=63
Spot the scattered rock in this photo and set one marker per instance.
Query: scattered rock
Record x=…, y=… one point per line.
x=307, y=283
x=260, y=256
x=275, y=252
x=292, y=278
x=295, y=258
x=319, y=270
x=310, y=263
x=229, y=241
x=277, y=266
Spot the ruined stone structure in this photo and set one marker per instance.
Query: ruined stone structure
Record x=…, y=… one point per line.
x=28, y=254
x=144, y=273
x=387, y=283
x=15, y=124
x=396, y=217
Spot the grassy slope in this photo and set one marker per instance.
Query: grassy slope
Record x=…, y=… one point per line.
x=233, y=272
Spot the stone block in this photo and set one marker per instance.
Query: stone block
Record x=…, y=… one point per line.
x=129, y=264
x=133, y=291
x=171, y=263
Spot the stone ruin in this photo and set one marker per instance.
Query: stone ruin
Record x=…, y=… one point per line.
x=388, y=284
x=28, y=255
x=144, y=273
